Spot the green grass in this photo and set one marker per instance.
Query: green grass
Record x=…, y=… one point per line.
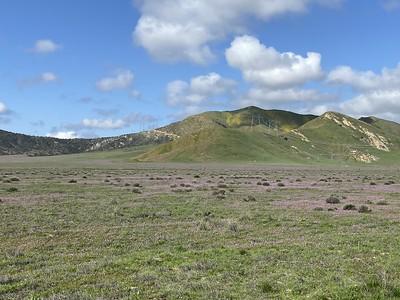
x=97, y=239
x=225, y=145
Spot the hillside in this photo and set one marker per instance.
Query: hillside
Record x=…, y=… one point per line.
x=224, y=145
x=14, y=143
x=247, y=135
x=253, y=134
x=249, y=116
x=340, y=137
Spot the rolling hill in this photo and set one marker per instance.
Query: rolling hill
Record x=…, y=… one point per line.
x=246, y=135
x=15, y=143
x=253, y=134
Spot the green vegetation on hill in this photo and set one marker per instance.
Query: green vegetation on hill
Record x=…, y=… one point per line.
x=249, y=116
x=250, y=134
x=15, y=143
x=224, y=145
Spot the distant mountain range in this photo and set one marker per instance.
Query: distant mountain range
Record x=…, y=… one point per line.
x=247, y=135
x=15, y=143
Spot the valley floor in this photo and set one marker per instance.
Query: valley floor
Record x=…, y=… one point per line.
x=164, y=231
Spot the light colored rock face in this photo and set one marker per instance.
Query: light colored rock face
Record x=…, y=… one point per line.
x=295, y=148
x=302, y=136
x=125, y=140
x=158, y=134
x=375, y=140
x=341, y=120
x=363, y=157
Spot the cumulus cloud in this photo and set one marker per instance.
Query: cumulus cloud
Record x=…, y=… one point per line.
x=267, y=67
x=64, y=135
x=199, y=91
x=259, y=96
x=120, y=80
x=182, y=30
x=378, y=93
x=274, y=77
x=135, y=94
x=48, y=77
x=3, y=108
x=45, y=46
x=5, y=113
x=44, y=78
x=113, y=123
x=377, y=102
x=365, y=80
x=103, y=124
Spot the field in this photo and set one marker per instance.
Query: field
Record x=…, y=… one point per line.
x=97, y=227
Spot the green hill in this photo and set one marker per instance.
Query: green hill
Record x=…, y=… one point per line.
x=15, y=143
x=340, y=137
x=225, y=145
x=253, y=134
x=249, y=116
x=250, y=134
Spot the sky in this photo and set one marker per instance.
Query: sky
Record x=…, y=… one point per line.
x=94, y=68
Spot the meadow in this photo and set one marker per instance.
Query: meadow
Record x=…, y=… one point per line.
x=100, y=227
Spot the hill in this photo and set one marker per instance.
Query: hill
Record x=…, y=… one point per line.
x=340, y=137
x=250, y=134
x=253, y=134
x=246, y=117
x=15, y=143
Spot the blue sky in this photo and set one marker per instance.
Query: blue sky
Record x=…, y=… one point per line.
x=102, y=68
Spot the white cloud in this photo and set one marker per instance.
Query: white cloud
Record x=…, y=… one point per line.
x=44, y=78
x=3, y=108
x=199, y=91
x=135, y=94
x=130, y=119
x=321, y=109
x=172, y=42
x=103, y=124
x=267, y=67
x=365, y=80
x=121, y=79
x=64, y=135
x=374, y=103
x=259, y=96
x=45, y=46
x=182, y=30
x=48, y=77
x=5, y=113
x=378, y=93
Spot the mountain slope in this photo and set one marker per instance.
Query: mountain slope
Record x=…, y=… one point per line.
x=235, y=136
x=249, y=116
x=334, y=135
x=14, y=143
x=248, y=134
x=225, y=145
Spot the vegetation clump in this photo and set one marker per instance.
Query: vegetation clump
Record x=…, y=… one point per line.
x=364, y=209
x=250, y=199
x=382, y=202
x=333, y=200
x=349, y=207
x=12, y=189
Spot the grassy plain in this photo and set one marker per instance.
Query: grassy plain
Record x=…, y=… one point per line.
x=95, y=226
